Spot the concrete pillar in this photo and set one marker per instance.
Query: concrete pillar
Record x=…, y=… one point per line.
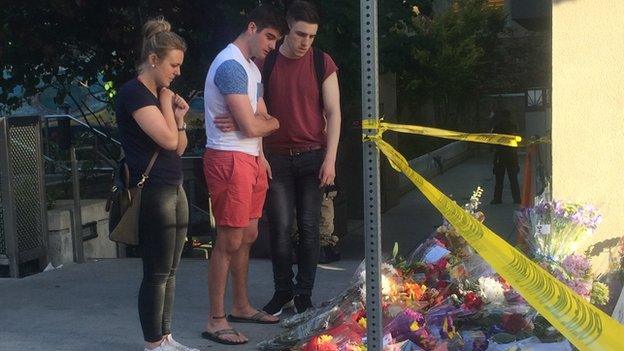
x=588, y=113
x=95, y=226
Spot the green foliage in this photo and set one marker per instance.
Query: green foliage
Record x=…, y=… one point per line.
x=522, y=61
x=450, y=56
x=64, y=42
x=59, y=42
x=339, y=36
x=599, y=293
x=446, y=57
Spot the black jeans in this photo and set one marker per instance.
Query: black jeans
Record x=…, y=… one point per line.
x=162, y=230
x=512, y=175
x=295, y=185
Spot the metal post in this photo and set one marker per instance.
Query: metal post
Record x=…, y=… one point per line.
x=10, y=239
x=46, y=138
x=43, y=201
x=77, y=212
x=372, y=219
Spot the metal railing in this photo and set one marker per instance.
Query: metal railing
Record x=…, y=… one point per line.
x=23, y=217
x=201, y=219
x=96, y=146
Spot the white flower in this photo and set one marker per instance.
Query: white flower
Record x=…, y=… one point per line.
x=388, y=286
x=474, y=202
x=492, y=290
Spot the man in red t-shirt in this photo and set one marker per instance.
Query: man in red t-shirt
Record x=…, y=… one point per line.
x=301, y=154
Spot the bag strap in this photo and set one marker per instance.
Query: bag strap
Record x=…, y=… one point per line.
x=319, y=68
x=126, y=175
x=145, y=174
x=267, y=69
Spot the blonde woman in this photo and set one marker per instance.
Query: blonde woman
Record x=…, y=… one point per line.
x=150, y=118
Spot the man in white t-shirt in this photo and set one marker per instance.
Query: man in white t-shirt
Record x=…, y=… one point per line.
x=236, y=170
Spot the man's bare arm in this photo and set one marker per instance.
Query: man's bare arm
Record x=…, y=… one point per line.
x=331, y=102
x=247, y=122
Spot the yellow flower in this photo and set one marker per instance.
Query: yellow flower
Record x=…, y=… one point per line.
x=362, y=322
x=325, y=338
x=414, y=326
x=355, y=347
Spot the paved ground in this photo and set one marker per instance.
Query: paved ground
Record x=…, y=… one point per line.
x=415, y=218
x=93, y=306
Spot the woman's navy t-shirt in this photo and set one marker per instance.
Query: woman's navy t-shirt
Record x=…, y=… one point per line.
x=137, y=145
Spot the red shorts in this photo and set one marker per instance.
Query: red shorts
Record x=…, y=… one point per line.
x=238, y=184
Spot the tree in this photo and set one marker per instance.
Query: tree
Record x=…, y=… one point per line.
x=61, y=42
x=445, y=57
x=523, y=60
x=68, y=44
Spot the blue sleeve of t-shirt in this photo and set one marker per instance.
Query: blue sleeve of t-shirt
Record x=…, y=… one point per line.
x=231, y=78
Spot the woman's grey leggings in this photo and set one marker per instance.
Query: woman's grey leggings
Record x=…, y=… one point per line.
x=163, y=224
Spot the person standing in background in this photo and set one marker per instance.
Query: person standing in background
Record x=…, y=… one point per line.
x=505, y=159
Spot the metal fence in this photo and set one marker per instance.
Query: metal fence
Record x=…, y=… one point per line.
x=23, y=216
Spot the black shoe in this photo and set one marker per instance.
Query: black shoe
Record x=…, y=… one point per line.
x=496, y=202
x=302, y=303
x=279, y=302
x=329, y=254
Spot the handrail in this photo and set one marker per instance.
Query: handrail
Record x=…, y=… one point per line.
x=93, y=130
x=84, y=125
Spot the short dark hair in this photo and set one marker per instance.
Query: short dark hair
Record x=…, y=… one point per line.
x=304, y=11
x=267, y=16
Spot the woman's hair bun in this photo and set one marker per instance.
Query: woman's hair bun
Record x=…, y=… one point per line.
x=158, y=39
x=155, y=26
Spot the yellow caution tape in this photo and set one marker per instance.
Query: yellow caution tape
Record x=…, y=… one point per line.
x=531, y=142
x=580, y=322
x=486, y=138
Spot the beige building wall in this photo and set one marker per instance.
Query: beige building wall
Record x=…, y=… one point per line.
x=588, y=112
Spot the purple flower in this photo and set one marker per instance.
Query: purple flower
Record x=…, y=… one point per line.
x=577, y=218
x=577, y=266
x=580, y=287
x=558, y=209
x=408, y=324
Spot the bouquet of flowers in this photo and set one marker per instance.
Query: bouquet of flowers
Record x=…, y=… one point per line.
x=555, y=229
x=443, y=296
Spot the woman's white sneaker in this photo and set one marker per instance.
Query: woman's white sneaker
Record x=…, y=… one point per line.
x=169, y=341
x=162, y=347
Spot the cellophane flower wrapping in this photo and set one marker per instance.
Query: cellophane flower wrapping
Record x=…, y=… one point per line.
x=552, y=232
x=442, y=296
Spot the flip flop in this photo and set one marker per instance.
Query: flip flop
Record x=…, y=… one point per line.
x=216, y=336
x=256, y=318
